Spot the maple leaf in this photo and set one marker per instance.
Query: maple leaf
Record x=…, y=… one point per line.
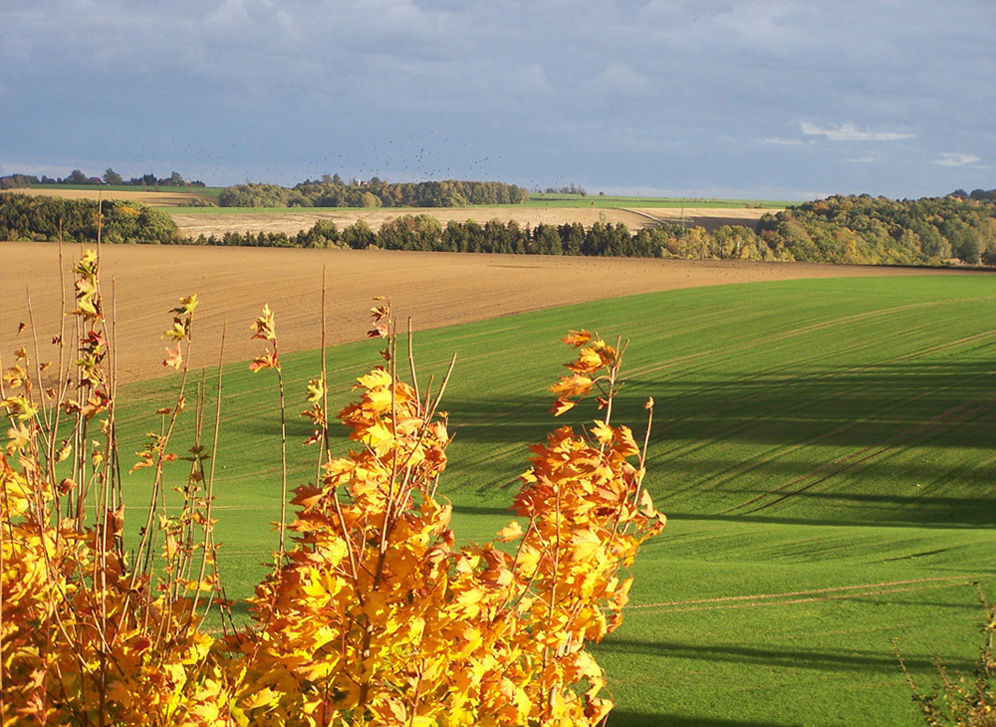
x=179, y=330
x=20, y=407
x=263, y=326
x=510, y=532
x=315, y=391
x=380, y=330
x=15, y=376
x=187, y=305
x=574, y=385
x=375, y=379
x=588, y=362
x=174, y=358
x=626, y=445
x=603, y=433
x=381, y=319
x=18, y=437
x=577, y=338
x=266, y=361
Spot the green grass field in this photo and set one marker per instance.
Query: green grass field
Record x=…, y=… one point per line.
x=823, y=449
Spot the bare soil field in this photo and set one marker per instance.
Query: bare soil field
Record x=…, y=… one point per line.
x=141, y=283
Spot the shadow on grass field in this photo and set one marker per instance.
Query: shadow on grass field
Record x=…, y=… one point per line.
x=830, y=439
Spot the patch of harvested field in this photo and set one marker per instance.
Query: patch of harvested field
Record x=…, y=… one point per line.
x=435, y=289
x=151, y=197
x=292, y=221
x=207, y=223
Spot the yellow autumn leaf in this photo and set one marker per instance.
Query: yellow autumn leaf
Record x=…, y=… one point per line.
x=263, y=326
x=377, y=377
x=603, y=432
x=260, y=698
x=19, y=407
x=584, y=544
x=15, y=376
x=187, y=305
x=575, y=385
x=510, y=532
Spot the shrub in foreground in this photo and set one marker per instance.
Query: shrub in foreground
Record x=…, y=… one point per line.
x=372, y=615
x=960, y=700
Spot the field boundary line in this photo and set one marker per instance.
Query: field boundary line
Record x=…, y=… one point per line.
x=817, y=594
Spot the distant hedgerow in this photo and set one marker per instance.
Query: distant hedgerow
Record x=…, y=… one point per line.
x=34, y=217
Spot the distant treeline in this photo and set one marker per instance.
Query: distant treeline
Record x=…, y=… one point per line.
x=21, y=181
x=425, y=233
x=333, y=192
x=881, y=231
x=30, y=217
x=857, y=230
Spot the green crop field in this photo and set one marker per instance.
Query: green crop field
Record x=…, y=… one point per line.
x=824, y=450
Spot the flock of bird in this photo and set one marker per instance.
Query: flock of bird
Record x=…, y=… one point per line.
x=411, y=158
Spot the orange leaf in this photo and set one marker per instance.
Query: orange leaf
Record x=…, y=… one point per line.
x=577, y=338
x=562, y=405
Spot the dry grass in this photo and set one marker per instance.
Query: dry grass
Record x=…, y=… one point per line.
x=436, y=289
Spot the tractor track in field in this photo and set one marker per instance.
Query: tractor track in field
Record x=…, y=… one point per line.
x=786, y=335
x=788, y=598
x=909, y=437
x=738, y=428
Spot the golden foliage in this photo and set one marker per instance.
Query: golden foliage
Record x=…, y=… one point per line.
x=372, y=616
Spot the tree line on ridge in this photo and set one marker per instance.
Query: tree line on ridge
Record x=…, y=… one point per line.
x=958, y=228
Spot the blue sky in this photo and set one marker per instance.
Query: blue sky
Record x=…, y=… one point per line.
x=774, y=99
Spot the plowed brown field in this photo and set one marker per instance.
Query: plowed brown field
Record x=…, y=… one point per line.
x=141, y=283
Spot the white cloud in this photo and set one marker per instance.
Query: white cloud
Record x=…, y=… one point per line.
x=783, y=142
x=957, y=160
x=850, y=132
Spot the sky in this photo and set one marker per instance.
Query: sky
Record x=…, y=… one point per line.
x=761, y=99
